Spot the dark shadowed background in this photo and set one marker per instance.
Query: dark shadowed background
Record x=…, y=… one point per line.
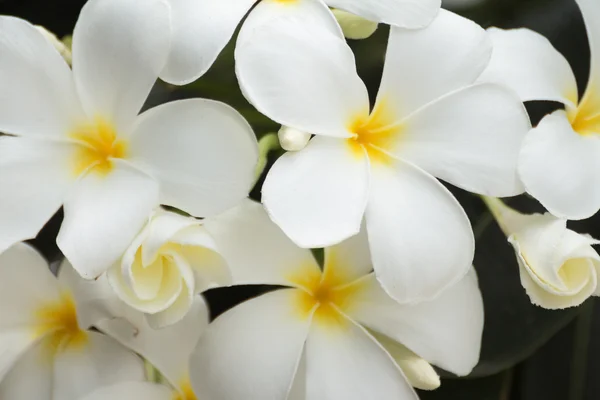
x=528, y=353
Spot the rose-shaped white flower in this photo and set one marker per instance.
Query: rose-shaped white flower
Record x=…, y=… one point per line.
x=170, y=261
x=558, y=267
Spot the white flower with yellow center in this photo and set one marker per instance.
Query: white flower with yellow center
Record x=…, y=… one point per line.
x=201, y=29
x=167, y=265
x=560, y=159
x=558, y=267
x=76, y=140
x=429, y=120
x=331, y=334
x=46, y=349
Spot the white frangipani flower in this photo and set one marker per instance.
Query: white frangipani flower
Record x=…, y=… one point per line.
x=430, y=120
x=558, y=267
x=560, y=159
x=201, y=29
x=76, y=139
x=167, y=265
x=46, y=350
x=328, y=330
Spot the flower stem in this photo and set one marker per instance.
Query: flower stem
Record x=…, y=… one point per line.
x=266, y=144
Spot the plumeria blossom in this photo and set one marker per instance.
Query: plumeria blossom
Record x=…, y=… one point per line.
x=558, y=267
x=46, y=350
x=322, y=335
x=430, y=120
x=75, y=138
x=560, y=159
x=201, y=29
x=167, y=265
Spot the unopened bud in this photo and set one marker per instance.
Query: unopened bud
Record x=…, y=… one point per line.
x=353, y=26
x=292, y=139
x=64, y=51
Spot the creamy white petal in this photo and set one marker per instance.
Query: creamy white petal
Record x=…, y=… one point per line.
x=561, y=168
x=131, y=390
x=424, y=64
x=251, y=351
x=411, y=14
x=345, y=362
x=303, y=77
x=256, y=249
x=420, y=237
x=527, y=62
x=26, y=284
x=350, y=260
x=30, y=378
x=470, y=138
x=119, y=48
x=318, y=195
x=445, y=331
x=203, y=153
x=13, y=344
x=100, y=362
x=201, y=29
x=103, y=214
x=590, y=9
x=35, y=177
x=169, y=348
x=38, y=95
x=299, y=12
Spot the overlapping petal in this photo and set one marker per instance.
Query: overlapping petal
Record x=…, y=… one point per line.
x=203, y=153
x=103, y=214
x=470, y=138
x=252, y=351
x=119, y=49
x=318, y=195
x=18, y=383
x=590, y=10
x=527, y=62
x=560, y=168
x=411, y=14
x=420, y=237
x=131, y=390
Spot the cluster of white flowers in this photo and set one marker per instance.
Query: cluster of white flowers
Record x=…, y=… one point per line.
x=396, y=292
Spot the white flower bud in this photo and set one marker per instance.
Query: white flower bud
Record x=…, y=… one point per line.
x=64, y=51
x=353, y=26
x=172, y=260
x=292, y=139
x=558, y=267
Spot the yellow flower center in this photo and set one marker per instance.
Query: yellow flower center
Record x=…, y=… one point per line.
x=57, y=322
x=585, y=119
x=375, y=134
x=186, y=392
x=99, y=146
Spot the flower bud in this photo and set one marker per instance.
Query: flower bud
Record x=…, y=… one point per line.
x=292, y=139
x=353, y=26
x=558, y=267
x=172, y=260
x=64, y=51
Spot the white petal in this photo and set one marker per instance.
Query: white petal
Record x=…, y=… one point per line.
x=424, y=64
x=411, y=14
x=34, y=180
x=420, y=237
x=345, y=362
x=590, y=9
x=470, y=138
x=303, y=77
x=101, y=362
x=203, y=152
x=119, y=48
x=257, y=251
x=299, y=13
x=38, y=95
x=528, y=63
x=445, y=332
x=102, y=216
x=31, y=377
x=26, y=284
x=201, y=29
x=318, y=195
x=131, y=390
x=13, y=344
x=349, y=260
x=169, y=348
x=251, y=351
x=561, y=168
